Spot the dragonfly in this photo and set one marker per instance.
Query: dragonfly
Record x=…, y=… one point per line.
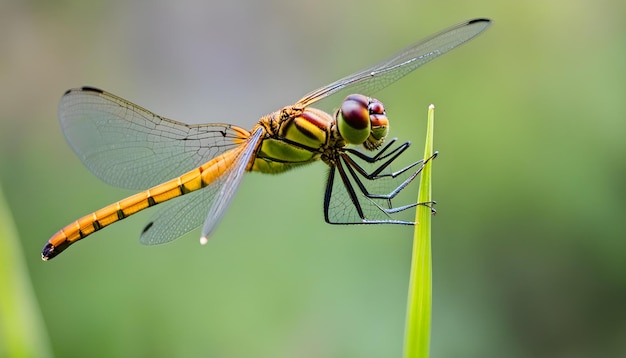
x=128, y=146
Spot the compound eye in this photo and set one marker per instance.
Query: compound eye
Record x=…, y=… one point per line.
x=379, y=125
x=353, y=120
x=376, y=106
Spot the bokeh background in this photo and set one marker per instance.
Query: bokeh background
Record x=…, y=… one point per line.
x=529, y=245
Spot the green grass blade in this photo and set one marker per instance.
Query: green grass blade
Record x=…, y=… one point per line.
x=418, y=316
x=22, y=332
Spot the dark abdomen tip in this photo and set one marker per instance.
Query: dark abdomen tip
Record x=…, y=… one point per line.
x=48, y=252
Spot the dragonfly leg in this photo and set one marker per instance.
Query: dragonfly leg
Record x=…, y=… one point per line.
x=356, y=170
x=381, y=155
x=430, y=205
x=353, y=176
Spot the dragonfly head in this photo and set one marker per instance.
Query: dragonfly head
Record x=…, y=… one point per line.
x=362, y=120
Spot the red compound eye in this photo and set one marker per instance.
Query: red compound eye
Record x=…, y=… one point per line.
x=353, y=121
x=376, y=107
x=355, y=113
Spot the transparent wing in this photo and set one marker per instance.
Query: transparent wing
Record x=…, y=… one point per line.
x=232, y=180
x=186, y=213
x=386, y=72
x=177, y=217
x=128, y=146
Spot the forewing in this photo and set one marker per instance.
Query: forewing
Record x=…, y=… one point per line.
x=384, y=73
x=128, y=146
x=232, y=180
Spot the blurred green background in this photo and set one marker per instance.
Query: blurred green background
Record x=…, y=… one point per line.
x=529, y=250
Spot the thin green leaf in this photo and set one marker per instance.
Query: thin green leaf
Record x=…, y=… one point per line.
x=22, y=331
x=418, y=316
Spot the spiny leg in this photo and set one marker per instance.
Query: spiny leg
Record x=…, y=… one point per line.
x=349, y=171
x=355, y=170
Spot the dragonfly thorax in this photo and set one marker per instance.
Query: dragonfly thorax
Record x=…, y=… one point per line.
x=294, y=136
